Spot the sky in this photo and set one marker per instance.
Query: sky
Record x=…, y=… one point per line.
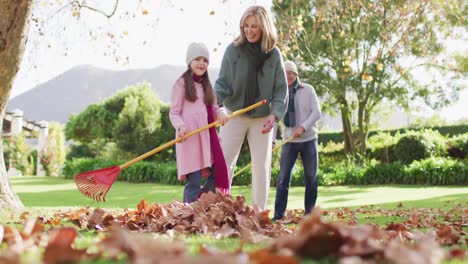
x=142, y=34
x=158, y=34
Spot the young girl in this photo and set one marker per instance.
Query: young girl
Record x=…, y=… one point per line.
x=193, y=105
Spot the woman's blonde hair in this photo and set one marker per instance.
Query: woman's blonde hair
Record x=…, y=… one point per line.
x=269, y=35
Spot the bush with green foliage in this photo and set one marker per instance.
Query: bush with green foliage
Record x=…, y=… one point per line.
x=437, y=171
x=53, y=156
x=430, y=171
x=79, y=150
x=164, y=135
x=134, y=119
x=458, y=146
x=449, y=131
x=19, y=154
x=143, y=171
x=382, y=147
x=417, y=145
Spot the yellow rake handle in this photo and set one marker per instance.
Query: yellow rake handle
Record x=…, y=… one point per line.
x=179, y=139
x=274, y=149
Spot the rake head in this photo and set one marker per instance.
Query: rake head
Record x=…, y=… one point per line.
x=95, y=184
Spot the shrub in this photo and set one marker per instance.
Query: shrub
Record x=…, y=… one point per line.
x=78, y=150
x=419, y=145
x=384, y=173
x=458, y=146
x=437, y=171
x=79, y=165
x=410, y=148
x=451, y=130
x=19, y=154
x=53, y=156
x=382, y=147
x=430, y=171
x=143, y=171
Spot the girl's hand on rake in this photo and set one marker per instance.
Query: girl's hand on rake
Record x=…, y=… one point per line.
x=223, y=118
x=181, y=133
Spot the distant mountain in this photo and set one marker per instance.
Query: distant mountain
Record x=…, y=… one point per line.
x=74, y=90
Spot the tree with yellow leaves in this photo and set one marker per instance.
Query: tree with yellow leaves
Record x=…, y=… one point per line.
x=362, y=53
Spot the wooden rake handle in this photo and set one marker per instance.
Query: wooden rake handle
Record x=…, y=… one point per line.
x=274, y=149
x=179, y=139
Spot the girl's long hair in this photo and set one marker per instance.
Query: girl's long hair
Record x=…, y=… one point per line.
x=191, y=93
x=269, y=35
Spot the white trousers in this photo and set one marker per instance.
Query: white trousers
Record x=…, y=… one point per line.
x=232, y=136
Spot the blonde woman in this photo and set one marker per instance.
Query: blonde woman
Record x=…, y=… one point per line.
x=252, y=70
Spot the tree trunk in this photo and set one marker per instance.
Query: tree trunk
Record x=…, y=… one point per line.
x=362, y=128
x=347, y=128
x=8, y=198
x=14, y=21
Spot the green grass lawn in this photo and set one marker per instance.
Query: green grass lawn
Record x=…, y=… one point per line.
x=41, y=194
x=49, y=192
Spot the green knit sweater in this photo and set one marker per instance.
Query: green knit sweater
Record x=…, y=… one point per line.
x=231, y=83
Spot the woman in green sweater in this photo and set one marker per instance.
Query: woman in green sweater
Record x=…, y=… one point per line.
x=252, y=70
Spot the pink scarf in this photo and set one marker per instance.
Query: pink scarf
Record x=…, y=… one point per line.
x=219, y=163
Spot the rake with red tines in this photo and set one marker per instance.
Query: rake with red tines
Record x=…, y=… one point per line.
x=96, y=184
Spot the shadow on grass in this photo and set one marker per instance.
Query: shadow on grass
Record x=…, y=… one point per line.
x=338, y=200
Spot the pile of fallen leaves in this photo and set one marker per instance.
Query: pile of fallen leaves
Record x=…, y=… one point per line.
x=132, y=232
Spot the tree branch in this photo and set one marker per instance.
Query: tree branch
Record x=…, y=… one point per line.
x=84, y=5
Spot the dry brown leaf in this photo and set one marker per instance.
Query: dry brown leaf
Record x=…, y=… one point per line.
x=95, y=220
x=142, y=248
x=398, y=252
x=447, y=235
x=314, y=238
x=225, y=231
x=59, y=248
x=264, y=256
x=458, y=253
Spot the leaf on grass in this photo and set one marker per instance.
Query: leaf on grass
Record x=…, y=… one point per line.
x=457, y=253
x=264, y=256
x=425, y=250
x=59, y=248
x=248, y=235
x=95, y=220
x=225, y=231
x=143, y=248
x=314, y=238
x=447, y=235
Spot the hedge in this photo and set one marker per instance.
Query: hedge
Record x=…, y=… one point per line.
x=143, y=171
x=337, y=137
x=430, y=171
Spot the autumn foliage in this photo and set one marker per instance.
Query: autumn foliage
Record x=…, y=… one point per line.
x=290, y=240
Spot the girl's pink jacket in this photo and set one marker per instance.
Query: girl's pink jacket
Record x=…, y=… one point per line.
x=195, y=152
